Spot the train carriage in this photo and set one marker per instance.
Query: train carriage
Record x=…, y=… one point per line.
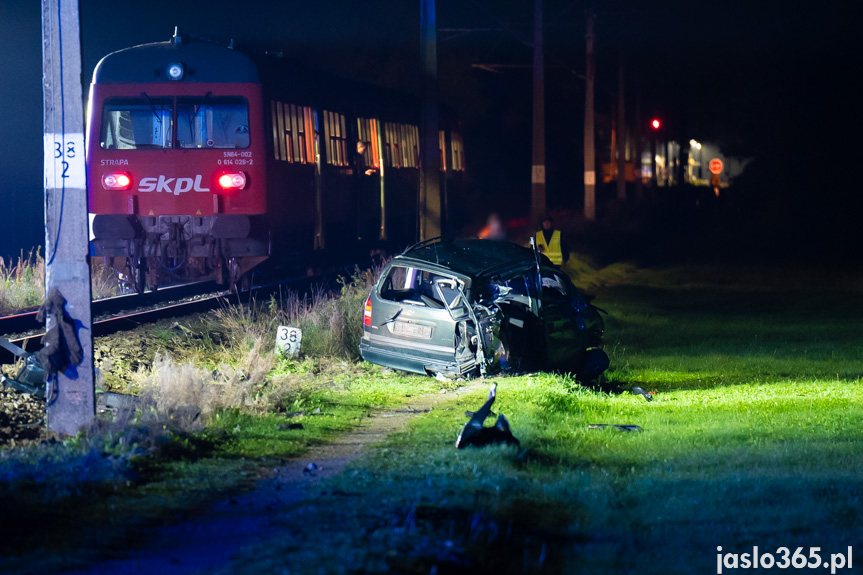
x=204, y=162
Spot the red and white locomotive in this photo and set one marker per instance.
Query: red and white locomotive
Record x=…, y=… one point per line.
x=203, y=163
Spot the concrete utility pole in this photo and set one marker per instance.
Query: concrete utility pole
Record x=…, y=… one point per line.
x=429, y=208
x=636, y=136
x=71, y=398
x=621, y=130
x=589, y=140
x=537, y=179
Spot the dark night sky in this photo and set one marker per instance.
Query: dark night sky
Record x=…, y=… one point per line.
x=769, y=81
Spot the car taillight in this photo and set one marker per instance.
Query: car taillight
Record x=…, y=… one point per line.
x=367, y=314
x=116, y=181
x=233, y=181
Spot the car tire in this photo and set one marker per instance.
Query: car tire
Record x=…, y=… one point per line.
x=593, y=363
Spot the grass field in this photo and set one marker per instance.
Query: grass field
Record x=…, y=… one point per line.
x=753, y=439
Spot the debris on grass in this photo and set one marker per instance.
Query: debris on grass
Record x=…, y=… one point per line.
x=620, y=427
x=475, y=435
x=639, y=391
x=288, y=426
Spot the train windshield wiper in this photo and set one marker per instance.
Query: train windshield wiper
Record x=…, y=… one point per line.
x=191, y=112
x=158, y=118
x=152, y=106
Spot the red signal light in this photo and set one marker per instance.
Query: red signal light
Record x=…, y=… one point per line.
x=655, y=124
x=234, y=181
x=367, y=313
x=116, y=181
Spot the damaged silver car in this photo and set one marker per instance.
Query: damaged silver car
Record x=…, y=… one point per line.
x=476, y=307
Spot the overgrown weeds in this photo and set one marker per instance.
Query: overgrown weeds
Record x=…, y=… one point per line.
x=214, y=392
x=22, y=281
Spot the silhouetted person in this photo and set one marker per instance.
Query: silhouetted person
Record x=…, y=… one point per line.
x=493, y=230
x=475, y=435
x=550, y=242
x=361, y=160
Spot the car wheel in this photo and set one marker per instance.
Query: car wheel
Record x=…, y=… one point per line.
x=593, y=363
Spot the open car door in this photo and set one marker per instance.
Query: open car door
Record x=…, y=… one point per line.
x=564, y=341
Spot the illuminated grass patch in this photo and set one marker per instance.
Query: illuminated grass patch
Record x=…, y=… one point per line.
x=753, y=438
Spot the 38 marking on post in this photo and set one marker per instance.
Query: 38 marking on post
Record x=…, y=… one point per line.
x=64, y=161
x=288, y=340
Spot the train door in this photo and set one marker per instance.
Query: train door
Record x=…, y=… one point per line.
x=367, y=180
x=445, y=207
x=337, y=185
x=401, y=162
x=292, y=173
x=452, y=186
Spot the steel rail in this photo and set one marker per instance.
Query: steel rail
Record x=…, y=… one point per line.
x=111, y=315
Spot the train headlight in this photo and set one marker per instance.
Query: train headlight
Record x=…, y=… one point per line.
x=234, y=181
x=116, y=181
x=175, y=71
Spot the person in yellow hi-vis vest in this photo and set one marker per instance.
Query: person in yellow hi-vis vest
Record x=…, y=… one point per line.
x=550, y=243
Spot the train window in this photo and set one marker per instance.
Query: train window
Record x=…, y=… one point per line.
x=457, y=151
x=293, y=133
x=441, y=146
x=392, y=156
x=212, y=122
x=336, y=138
x=310, y=133
x=274, y=116
x=367, y=133
x=415, y=137
x=411, y=149
x=136, y=123
x=295, y=137
x=401, y=145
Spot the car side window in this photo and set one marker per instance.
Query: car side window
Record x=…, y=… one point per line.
x=521, y=288
x=399, y=284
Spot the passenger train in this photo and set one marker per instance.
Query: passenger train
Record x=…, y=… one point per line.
x=204, y=162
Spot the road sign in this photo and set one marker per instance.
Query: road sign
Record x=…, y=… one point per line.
x=715, y=166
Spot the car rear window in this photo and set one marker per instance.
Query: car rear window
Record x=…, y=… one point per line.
x=416, y=286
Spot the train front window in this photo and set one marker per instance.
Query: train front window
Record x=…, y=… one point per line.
x=212, y=122
x=136, y=123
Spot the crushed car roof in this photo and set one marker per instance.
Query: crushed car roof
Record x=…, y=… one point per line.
x=474, y=258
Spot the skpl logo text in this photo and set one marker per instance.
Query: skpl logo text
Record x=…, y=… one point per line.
x=174, y=186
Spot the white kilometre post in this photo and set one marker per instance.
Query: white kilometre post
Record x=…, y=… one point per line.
x=71, y=401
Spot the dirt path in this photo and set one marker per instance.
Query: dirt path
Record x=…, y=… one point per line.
x=207, y=542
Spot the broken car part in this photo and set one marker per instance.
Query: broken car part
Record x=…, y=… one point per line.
x=475, y=435
x=619, y=427
x=31, y=377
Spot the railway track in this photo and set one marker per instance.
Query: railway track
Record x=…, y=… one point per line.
x=25, y=322
x=111, y=315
